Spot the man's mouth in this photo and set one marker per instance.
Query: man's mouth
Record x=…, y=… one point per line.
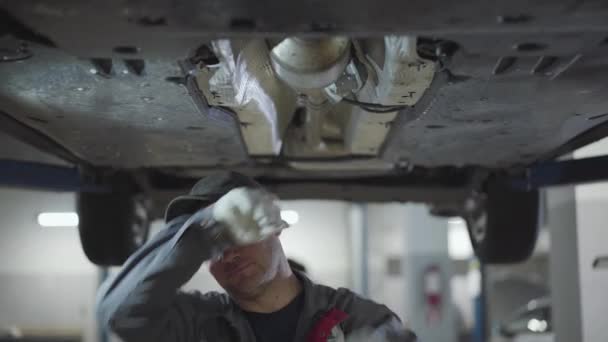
x=240, y=268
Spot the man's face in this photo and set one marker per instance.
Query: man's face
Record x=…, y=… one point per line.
x=244, y=271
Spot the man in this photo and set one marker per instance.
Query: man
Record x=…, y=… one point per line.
x=229, y=220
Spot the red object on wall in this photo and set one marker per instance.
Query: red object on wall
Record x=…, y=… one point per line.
x=433, y=293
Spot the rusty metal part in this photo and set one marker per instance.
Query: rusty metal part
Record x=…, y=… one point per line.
x=310, y=63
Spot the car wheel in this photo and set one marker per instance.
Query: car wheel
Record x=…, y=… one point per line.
x=112, y=225
x=503, y=223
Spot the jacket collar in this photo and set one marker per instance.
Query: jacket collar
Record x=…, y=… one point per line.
x=313, y=308
x=315, y=305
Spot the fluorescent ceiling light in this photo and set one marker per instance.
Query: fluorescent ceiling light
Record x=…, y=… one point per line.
x=290, y=216
x=459, y=243
x=65, y=219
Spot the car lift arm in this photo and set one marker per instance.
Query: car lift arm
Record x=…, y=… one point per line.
x=60, y=178
x=30, y=175
x=564, y=172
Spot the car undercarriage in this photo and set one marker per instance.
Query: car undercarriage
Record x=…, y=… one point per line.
x=421, y=101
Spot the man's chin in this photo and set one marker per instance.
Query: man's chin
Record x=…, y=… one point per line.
x=245, y=286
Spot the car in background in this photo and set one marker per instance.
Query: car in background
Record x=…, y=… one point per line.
x=443, y=103
x=531, y=323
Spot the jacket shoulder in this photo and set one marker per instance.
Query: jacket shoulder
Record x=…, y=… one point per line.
x=362, y=312
x=209, y=304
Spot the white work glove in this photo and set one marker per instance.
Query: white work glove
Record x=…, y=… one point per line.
x=248, y=215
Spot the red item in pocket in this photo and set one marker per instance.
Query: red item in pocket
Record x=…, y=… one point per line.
x=322, y=330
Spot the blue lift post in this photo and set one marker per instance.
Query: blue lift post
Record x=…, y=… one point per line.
x=30, y=175
x=25, y=174
x=563, y=172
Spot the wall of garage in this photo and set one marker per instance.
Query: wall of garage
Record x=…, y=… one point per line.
x=46, y=284
x=386, y=245
x=592, y=229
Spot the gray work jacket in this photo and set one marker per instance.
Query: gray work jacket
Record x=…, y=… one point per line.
x=144, y=303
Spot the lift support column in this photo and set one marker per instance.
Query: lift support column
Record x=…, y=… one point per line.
x=578, y=221
x=428, y=269
x=592, y=230
x=564, y=265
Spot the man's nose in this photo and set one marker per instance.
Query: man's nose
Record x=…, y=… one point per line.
x=231, y=255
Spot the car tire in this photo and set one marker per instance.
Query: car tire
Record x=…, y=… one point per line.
x=503, y=223
x=112, y=225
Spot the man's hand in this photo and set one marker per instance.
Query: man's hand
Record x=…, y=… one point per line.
x=249, y=215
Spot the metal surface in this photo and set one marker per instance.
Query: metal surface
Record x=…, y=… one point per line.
x=125, y=120
x=356, y=190
x=358, y=222
x=239, y=78
x=565, y=254
x=14, y=149
x=34, y=138
x=552, y=88
x=600, y=263
x=343, y=101
x=402, y=79
x=43, y=177
x=404, y=75
x=310, y=63
x=364, y=17
x=442, y=190
x=564, y=172
x=103, y=333
x=17, y=52
x=500, y=121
